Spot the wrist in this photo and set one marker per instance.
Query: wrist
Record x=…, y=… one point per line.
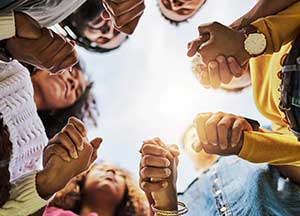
x=166, y=201
x=44, y=185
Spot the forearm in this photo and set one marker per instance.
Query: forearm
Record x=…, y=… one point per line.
x=261, y=9
x=273, y=148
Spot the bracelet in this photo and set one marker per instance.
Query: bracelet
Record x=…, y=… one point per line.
x=182, y=211
x=4, y=163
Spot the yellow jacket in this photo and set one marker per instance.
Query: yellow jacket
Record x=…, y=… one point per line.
x=275, y=148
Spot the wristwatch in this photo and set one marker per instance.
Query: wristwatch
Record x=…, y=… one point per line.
x=255, y=42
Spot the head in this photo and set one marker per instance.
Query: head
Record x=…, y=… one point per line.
x=103, y=186
x=178, y=11
x=90, y=30
x=60, y=96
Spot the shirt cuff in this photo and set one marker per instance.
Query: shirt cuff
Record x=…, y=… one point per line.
x=7, y=25
x=24, y=198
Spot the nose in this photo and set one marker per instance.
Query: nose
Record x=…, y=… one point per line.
x=73, y=82
x=107, y=29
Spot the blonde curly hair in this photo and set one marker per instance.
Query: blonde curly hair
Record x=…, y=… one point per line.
x=134, y=202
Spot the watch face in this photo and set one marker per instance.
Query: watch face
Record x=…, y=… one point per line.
x=255, y=43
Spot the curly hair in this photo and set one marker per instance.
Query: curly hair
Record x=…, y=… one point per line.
x=85, y=109
x=5, y=153
x=134, y=202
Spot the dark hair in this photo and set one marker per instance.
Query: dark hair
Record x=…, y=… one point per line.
x=84, y=109
x=5, y=153
x=76, y=23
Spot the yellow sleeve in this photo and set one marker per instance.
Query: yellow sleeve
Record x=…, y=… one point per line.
x=276, y=149
x=280, y=28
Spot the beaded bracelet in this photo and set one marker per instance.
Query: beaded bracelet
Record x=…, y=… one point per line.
x=182, y=211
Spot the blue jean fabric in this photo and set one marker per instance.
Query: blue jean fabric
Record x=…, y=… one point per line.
x=234, y=187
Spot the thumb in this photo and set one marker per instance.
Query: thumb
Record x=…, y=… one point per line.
x=96, y=142
x=174, y=150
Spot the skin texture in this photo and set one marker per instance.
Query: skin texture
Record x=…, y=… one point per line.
x=40, y=47
x=158, y=173
x=60, y=155
x=220, y=133
x=102, y=32
x=56, y=91
x=124, y=15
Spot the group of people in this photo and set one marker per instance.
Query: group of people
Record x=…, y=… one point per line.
x=47, y=162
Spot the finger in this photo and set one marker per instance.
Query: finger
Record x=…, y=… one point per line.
x=75, y=135
x=151, y=172
x=69, y=61
x=96, y=142
x=153, y=187
x=156, y=150
x=118, y=9
x=79, y=125
x=194, y=45
x=211, y=129
x=234, y=67
x=66, y=58
x=224, y=72
x=238, y=127
x=155, y=161
x=130, y=27
x=213, y=73
x=204, y=77
x=174, y=150
x=126, y=18
x=224, y=125
x=55, y=149
x=67, y=143
x=199, y=124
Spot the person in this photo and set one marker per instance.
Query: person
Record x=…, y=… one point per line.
x=102, y=190
x=177, y=11
x=60, y=96
x=281, y=142
x=230, y=187
x=24, y=139
x=87, y=27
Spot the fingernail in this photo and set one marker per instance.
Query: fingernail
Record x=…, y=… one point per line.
x=168, y=172
x=230, y=60
x=196, y=147
x=165, y=184
x=212, y=65
x=68, y=159
x=74, y=155
x=80, y=148
x=220, y=59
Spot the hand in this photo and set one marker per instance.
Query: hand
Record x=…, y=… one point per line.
x=217, y=72
x=216, y=39
x=40, y=47
x=57, y=173
x=125, y=14
x=158, y=173
x=221, y=133
x=72, y=137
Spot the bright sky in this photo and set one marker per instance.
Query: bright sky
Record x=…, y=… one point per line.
x=146, y=88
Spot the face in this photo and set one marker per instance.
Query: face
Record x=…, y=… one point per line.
x=102, y=33
x=105, y=184
x=57, y=91
x=179, y=10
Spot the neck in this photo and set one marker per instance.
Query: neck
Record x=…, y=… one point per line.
x=101, y=210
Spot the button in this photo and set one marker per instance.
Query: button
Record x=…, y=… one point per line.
x=223, y=209
x=218, y=192
x=216, y=180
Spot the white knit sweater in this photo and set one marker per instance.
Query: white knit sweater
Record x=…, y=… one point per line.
x=27, y=135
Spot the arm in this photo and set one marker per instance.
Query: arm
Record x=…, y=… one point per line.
x=262, y=8
x=276, y=30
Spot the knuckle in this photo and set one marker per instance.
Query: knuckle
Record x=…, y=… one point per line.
x=222, y=126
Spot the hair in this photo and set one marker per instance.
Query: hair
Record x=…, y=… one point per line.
x=78, y=21
x=5, y=153
x=84, y=109
x=134, y=202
